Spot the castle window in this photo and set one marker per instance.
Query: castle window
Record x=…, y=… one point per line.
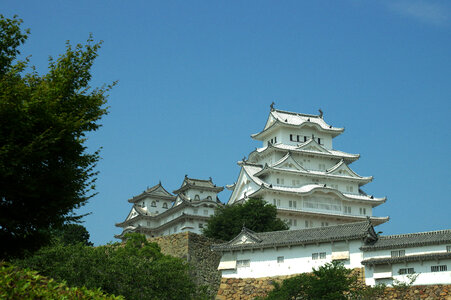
x=319, y=141
x=165, y=205
x=209, y=198
x=297, y=138
x=448, y=248
x=154, y=204
x=201, y=225
x=291, y=137
x=196, y=197
x=442, y=268
x=398, y=253
x=347, y=210
x=318, y=255
x=305, y=138
x=243, y=263
x=324, y=224
x=143, y=204
x=276, y=202
x=280, y=259
x=404, y=271
x=195, y=210
x=292, y=203
x=362, y=210
x=206, y=212
x=275, y=139
x=308, y=224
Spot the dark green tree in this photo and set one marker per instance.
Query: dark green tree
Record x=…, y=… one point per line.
x=329, y=282
x=255, y=214
x=136, y=269
x=45, y=169
x=70, y=234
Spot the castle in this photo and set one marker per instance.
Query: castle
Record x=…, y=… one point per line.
x=320, y=197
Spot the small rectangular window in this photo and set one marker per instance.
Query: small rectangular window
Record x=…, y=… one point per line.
x=291, y=137
x=206, y=212
x=322, y=255
x=448, y=248
x=275, y=139
x=280, y=259
x=347, y=209
x=324, y=224
x=314, y=256
x=398, y=253
x=362, y=210
x=277, y=180
x=195, y=210
x=201, y=225
x=442, y=268
x=244, y=263
x=295, y=222
x=405, y=271
x=305, y=139
x=297, y=138
x=319, y=141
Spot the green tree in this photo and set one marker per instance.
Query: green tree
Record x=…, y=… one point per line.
x=70, y=234
x=329, y=282
x=45, y=169
x=255, y=214
x=136, y=269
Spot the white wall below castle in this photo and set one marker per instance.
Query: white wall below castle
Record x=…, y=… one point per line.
x=297, y=259
x=423, y=269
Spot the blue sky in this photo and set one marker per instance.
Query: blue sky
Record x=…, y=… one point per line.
x=196, y=79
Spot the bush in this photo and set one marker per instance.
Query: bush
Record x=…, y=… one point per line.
x=136, y=269
x=16, y=283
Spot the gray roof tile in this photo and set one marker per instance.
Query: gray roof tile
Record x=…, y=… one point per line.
x=410, y=240
x=349, y=231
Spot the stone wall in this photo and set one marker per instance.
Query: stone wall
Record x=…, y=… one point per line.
x=249, y=288
x=195, y=249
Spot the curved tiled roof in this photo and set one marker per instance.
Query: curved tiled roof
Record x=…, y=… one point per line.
x=349, y=157
x=199, y=184
x=343, y=232
x=407, y=258
x=411, y=240
x=297, y=120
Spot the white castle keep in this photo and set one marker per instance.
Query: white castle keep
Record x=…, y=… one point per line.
x=298, y=171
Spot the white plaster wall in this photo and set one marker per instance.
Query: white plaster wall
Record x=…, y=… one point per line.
x=409, y=251
x=283, y=136
x=297, y=259
x=425, y=276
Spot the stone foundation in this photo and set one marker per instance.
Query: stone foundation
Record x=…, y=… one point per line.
x=249, y=288
x=195, y=249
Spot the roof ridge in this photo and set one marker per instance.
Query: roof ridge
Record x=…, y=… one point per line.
x=295, y=113
x=393, y=236
x=319, y=228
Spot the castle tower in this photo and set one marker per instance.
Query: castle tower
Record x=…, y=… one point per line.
x=298, y=171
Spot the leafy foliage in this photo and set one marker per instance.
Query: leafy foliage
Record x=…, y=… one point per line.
x=136, y=270
x=255, y=214
x=329, y=282
x=46, y=172
x=70, y=234
x=16, y=283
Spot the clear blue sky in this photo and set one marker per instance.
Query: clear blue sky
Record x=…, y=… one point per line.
x=196, y=79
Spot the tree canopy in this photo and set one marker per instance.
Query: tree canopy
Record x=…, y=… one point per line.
x=331, y=281
x=45, y=169
x=255, y=214
x=136, y=269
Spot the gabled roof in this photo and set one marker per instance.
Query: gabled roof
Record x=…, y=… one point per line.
x=342, y=169
x=300, y=148
x=351, y=231
x=157, y=191
x=411, y=240
x=291, y=119
x=198, y=184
